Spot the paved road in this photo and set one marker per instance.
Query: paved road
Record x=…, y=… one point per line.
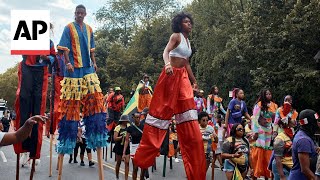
x=76, y=172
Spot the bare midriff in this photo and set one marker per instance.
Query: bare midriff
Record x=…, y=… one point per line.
x=177, y=62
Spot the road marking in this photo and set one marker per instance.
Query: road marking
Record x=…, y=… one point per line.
x=3, y=156
x=105, y=164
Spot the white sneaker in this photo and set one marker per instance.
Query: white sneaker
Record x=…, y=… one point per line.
x=176, y=160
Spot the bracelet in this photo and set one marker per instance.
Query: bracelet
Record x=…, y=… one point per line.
x=167, y=64
x=68, y=64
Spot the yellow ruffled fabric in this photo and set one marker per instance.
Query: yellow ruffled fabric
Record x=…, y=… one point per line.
x=80, y=91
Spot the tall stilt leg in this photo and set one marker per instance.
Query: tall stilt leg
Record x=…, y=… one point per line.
x=18, y=166
x=60, y=166
x=99, y=156
x=50, y=163
x=32, y=168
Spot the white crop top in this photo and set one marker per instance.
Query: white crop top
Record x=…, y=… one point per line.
x=183, y=50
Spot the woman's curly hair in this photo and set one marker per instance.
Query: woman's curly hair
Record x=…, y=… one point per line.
x=177, y=20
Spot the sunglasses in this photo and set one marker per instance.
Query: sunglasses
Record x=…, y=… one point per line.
x=204, y=120
x=239, y=129
x=136, y=117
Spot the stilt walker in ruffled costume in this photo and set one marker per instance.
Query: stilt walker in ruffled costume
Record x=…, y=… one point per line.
x=173, y=95
x=31, y=99
x=80, y=89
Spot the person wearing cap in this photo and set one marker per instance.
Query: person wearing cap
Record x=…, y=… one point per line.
x=145, y=93
x=282, y=150
x=117, y=106
x=134, y=132
x=119, y=137
x=304, y=151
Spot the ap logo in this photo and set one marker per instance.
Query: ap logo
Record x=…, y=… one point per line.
x=30, y=32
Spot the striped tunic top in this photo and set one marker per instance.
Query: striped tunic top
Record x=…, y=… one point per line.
x=79, y=42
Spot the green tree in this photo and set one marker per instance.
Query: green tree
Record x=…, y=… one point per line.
x=9, y=85
x=118, y=16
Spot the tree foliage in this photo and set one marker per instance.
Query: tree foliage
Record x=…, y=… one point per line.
x=259, y=44
x=9, y=85
x=236, y=43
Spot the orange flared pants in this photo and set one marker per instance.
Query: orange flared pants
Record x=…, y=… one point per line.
x=173, y=95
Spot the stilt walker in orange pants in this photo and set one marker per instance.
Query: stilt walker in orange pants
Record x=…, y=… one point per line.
x=173, y=95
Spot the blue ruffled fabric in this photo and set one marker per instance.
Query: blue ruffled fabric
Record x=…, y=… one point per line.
x=67, y=136
x=96, y=131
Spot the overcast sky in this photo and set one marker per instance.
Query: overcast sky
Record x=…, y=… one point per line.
x=61, y=12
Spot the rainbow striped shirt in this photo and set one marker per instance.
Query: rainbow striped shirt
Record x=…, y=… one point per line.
x=79, y=42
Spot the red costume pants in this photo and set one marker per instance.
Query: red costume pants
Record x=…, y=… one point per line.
x=173, y=95
x=31, y=100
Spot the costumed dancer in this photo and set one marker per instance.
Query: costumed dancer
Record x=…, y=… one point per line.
x=58, y=74
x=173, y=95
x=263, y=116
x=145, y=94
x=80, y=86
x=214, y=104
x=30, y=100
x=286, y=112
x=58, y=69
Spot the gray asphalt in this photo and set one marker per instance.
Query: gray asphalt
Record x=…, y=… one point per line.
x=76, y=172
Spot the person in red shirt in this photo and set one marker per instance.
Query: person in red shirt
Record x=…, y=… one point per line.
x=116, y=102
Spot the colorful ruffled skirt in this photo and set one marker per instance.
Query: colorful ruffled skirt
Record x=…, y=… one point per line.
x=81, y=89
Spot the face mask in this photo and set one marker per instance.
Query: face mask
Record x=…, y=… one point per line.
x=286, y=108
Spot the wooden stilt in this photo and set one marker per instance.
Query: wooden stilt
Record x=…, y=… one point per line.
x=18, y=166
x=170, y=162
x=99, y=156
x=50, y=163
x=32, y=168
x=60, y=166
